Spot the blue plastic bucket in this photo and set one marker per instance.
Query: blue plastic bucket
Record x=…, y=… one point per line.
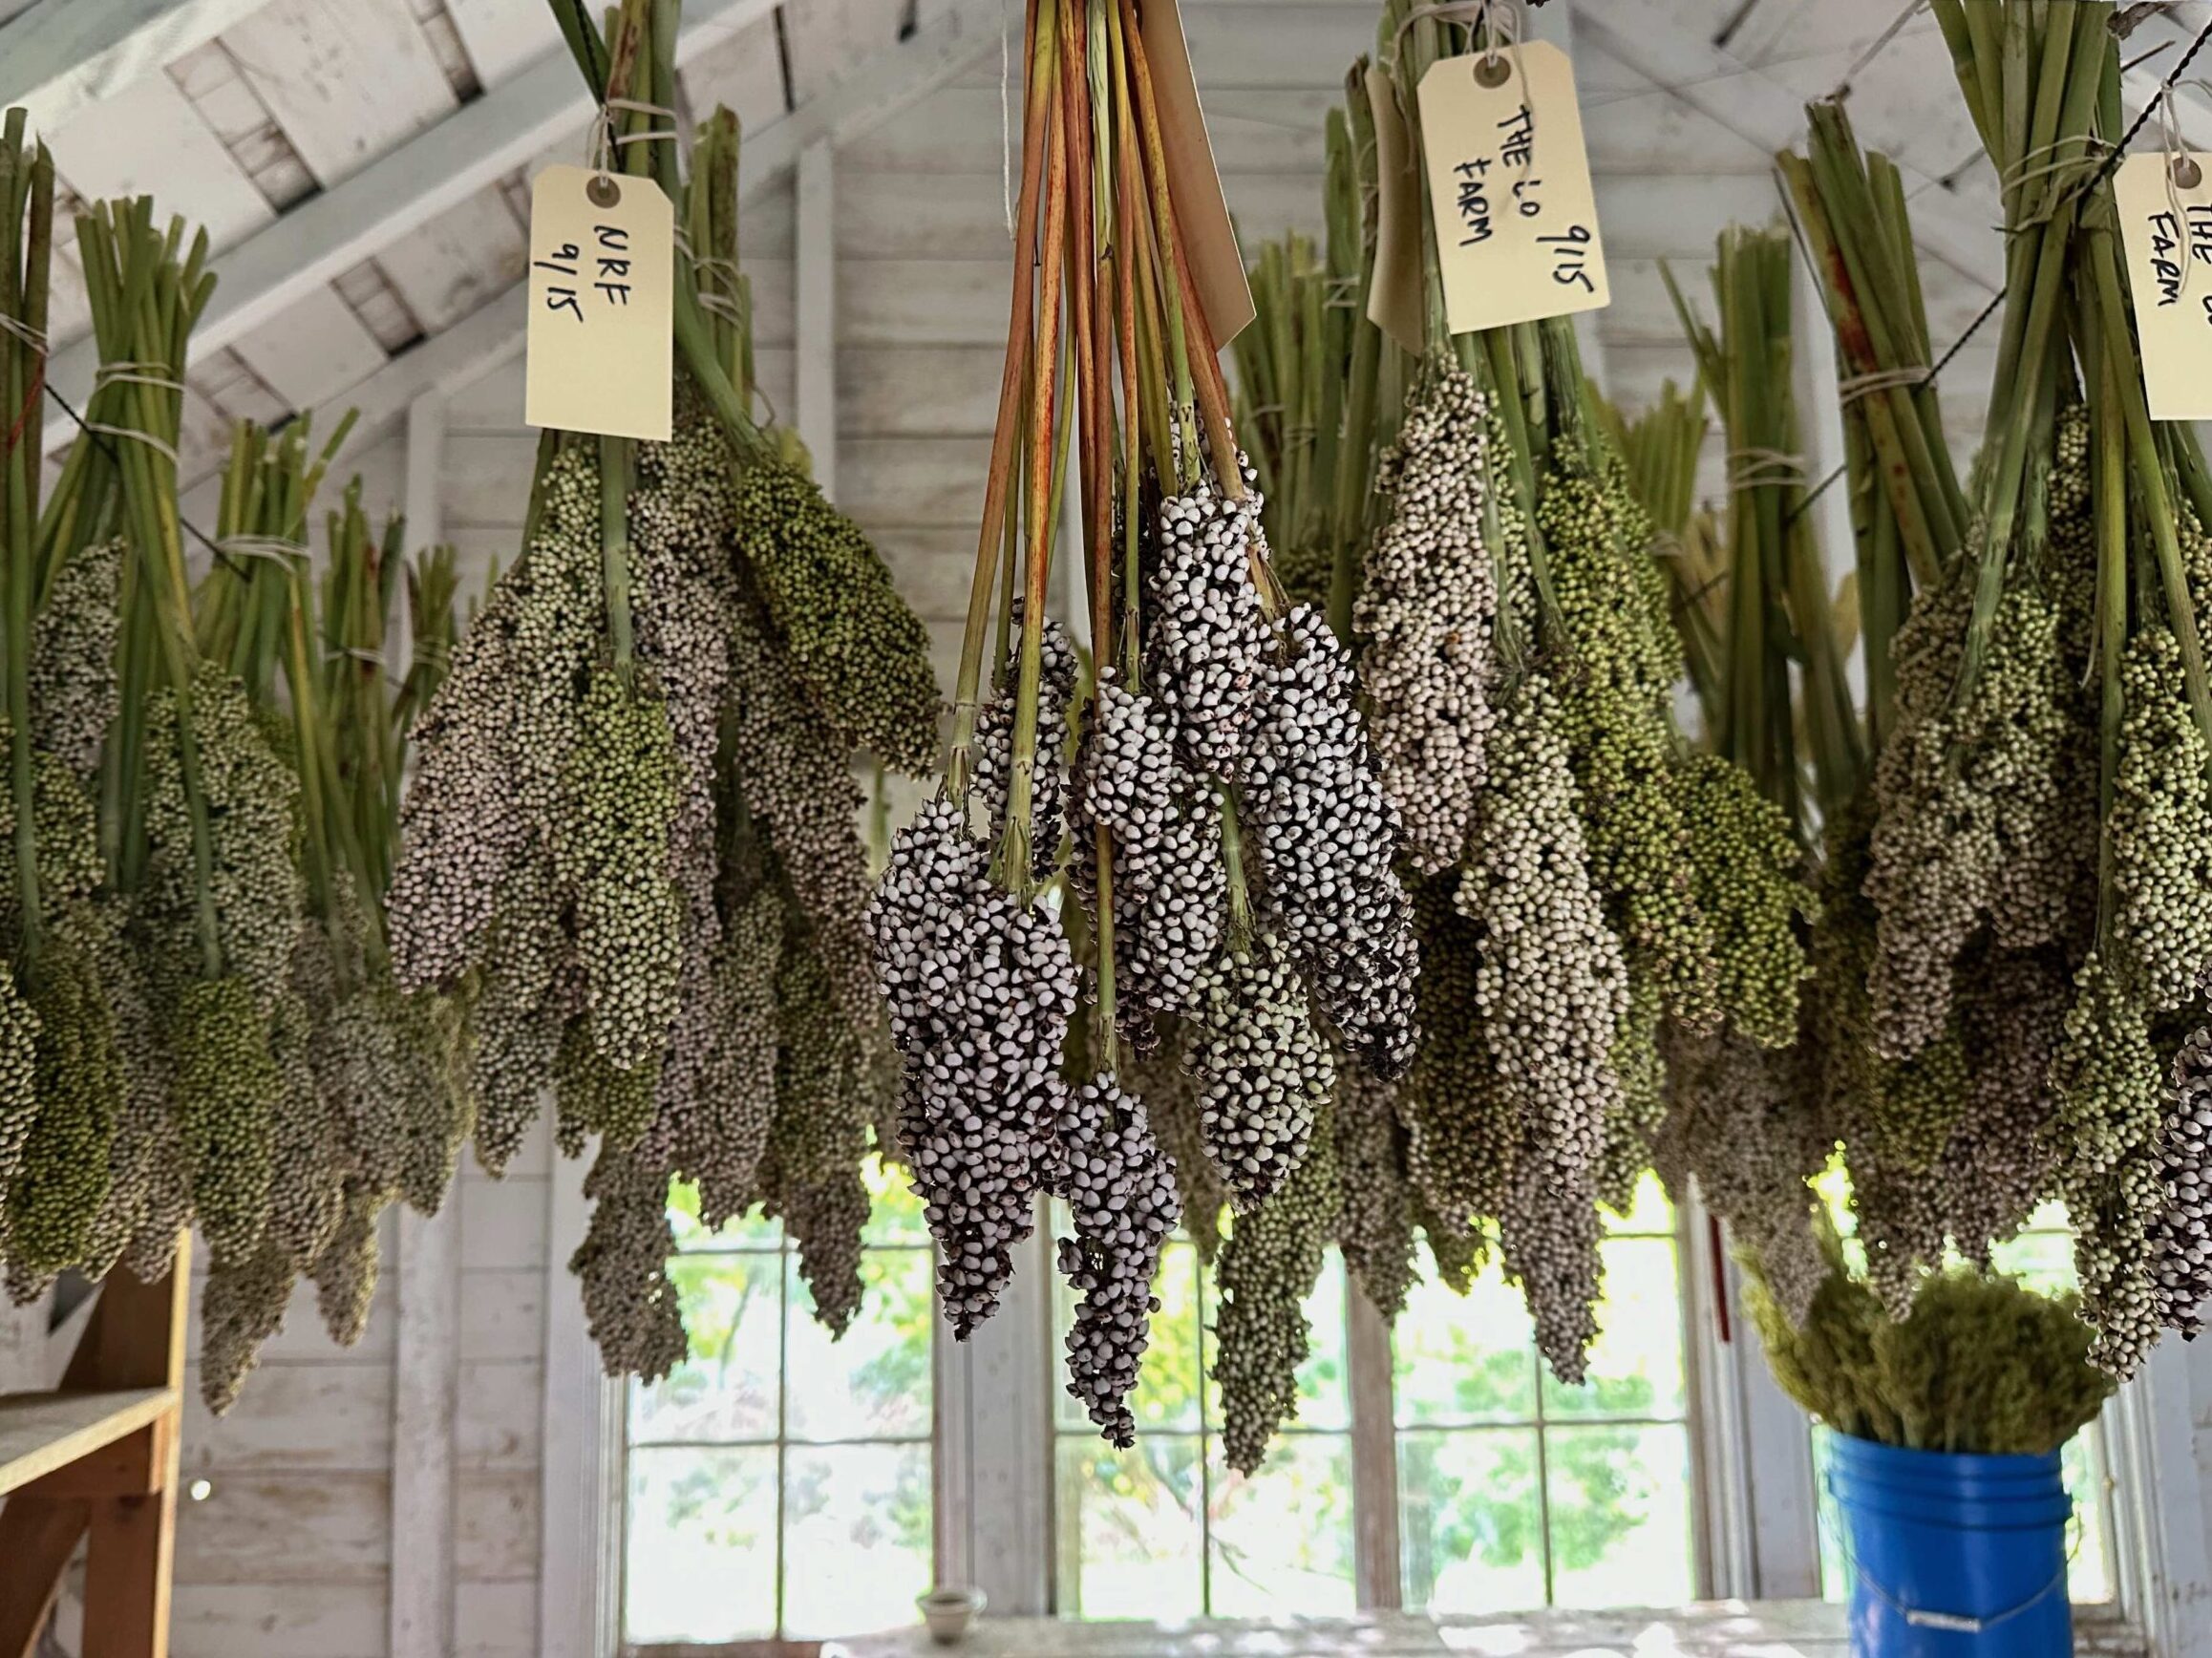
x=1953, y=1555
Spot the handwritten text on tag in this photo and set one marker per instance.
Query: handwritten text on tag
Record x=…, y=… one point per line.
x=1509, y=188
x=2166, y=229
x=601, y=352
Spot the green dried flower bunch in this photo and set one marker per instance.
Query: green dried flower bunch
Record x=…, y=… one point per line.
x=1979, y=1364
x=631, y=842
x=2017, y=913
x=1268, y=1267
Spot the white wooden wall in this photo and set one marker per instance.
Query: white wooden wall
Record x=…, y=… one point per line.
x=292, y=1550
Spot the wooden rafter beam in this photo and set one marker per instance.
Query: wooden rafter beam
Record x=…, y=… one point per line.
x=860, y=101
x=331, y=232
x=62, y=55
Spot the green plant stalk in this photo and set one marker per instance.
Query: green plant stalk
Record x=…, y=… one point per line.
x=1046, y=470
x=1162, y=229
x=29, y=183
x=2109, y=435
x=1004, y=475
x=1845, y=238
x=1893, y=219
x=2042, y=250
x=1927, y=539
x=1357, y=459
x=2149, y=474
x=146, y=317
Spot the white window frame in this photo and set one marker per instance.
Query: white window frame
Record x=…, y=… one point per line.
x=1751, y=1462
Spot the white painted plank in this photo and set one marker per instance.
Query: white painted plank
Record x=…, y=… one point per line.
x=312, y=348
x=146, y=139
x=256, y=1621
x=495, y=1621
x=425, y=439
x=499, y=1427
x=58, y=56
x=503, y=1315
x=287, y=1528
x=918, y=391
x=240, y=395
x=378, y=304
x=503, y=35
x=457, y=260
x=487, y=483
x=423, y=1414
x=293, y=1419
x=916, y=482
x=492, y=401
x=828, y=38
x=346, y=79
x=744, y=71
x=488, y=336
x=503, y=1225
x=931, y=568
x=569, y=1504
x=1764, y=111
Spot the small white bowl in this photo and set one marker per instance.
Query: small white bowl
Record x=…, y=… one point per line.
x=948, y=1612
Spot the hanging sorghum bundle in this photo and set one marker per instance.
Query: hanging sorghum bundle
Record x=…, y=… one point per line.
x=1220, y=856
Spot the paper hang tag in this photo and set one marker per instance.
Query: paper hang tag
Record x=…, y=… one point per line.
x=1509, y=188
x=1394, y=301
x=603, y=267
x=1193, y=184
x=2166, y=229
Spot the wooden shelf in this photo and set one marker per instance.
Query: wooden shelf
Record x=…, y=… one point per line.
x=41, y=1433
x=94, y=1465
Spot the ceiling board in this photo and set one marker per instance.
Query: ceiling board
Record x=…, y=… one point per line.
x=828, y=38
x=503, y=35
x=458, y=260
x=744, y=71
x=148, y=139
x=312, y=348
x=346, y=79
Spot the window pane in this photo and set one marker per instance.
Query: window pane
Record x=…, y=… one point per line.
x=726, y=1390
x=2043, y=1260
x=1621, y=1515
x=1636, y=1364
x=2088, y=1543
x=1465, y=1359
x=749, y=1231
x=1282, y=1539
x=1324, y=1398
x=1167, y=1386
x=895, y=1212
x=701, y=1545
x=1130, y=1543
x=1469, y=1521
x=873, y=1384
x=857, y=1537
x=1648, y=1210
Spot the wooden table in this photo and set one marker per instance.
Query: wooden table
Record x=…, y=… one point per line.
x=1726, y=1629
x=96, y=1460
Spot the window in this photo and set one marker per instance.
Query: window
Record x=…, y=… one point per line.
x=1167, y=1529
x=1512, y=1492
x=778, y=1483
x=2042, y=1257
